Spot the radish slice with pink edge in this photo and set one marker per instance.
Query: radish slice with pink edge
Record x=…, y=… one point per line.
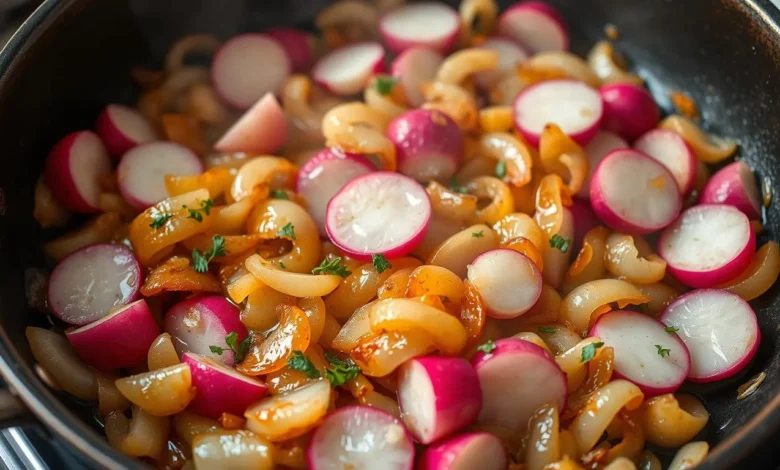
x=380, y=213
x=655, y=359
x=508, y=281
x=671, y=151
x=86, y=285
x=430, y=24
x=197, y=324
x=574, y=106
x=98, y=342
x=320, y=178
x=73, y=170
x=347, y=70
x=122, y=128
x=720, y=330
x=629, y=110
x=220, y=389
x=141, y=173
x=298, y=45
x=537, y=26
x=734, y=185
x=261, y=130
x=598, y=148
x=360, y=438
x=510, y=54
x=438, y=396
x=708, y=245
x=247, y=67
x=632, y=193
x=417, y=65
x=516, y=378
x=466, y=452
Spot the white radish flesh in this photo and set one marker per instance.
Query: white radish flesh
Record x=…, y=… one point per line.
x=510, y=54
x=537, y=26
x=261, y=130
x=122, y=128
x=671, y=151
x=598, y=148
x=508, y=281
x=291, y=414
x=428, y=143
x=429, y=24
x=466, y=452
x=734, y=185
x=347, y=70
x=414, y=67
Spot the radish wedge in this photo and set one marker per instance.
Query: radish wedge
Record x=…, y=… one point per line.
x=347, y=70
x=629, y=110
x=516, y=378
x=465, y=452
x=598, y=148
x=122, y=128
x=508, y=281
x=708, y=245
x=537, y=26
x=734, y=185
x=510, y=54
x=671, y=151
x=86, y=285
x=261, y=130
x=360, y=438
x=141, y=173
x=429, y=24
x=359, y=217
x=574, y=106
x=414, y=67
x=298, y=45
x=438, y=396
x=632, y=193
x=247, y=67
x=428, y=143
x=719, y=329
x=646, y=353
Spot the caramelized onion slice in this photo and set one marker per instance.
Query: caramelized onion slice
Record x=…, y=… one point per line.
x=291, y=414
x=270, y=354
x=232, y=449
x=56, y=357
x=760, y=275
x=144, y=436
x=161, y=392
x=585, y=303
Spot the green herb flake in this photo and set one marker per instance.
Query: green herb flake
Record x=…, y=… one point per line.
x=288, y=231
x=380, y=263
x=671, y=329
x=384, y=85
x=546, y=329
x=239, y=349
x=197, y=214
x=559, y=243
x=332, y=266
x=301, y=363
x=487, y=347
x=501, y=169
x=456, y=187
x=340, y=370
x=662, y=351
x=200, y=261
x=160, y=220
x=279, y=194
x=479, y=234
x=281, y=265
x=589, y=351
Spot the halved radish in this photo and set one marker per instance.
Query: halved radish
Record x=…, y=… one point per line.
x=671, y=151
x=465, y=452
x=574, y=106
x=220, y=389
x=247, y=67
x=428, y=143
x=629, y=110
x=720, y=330
x=347, y=70
x=120, y=339
x=516, y=378
x=734, y=185
x=417, y=65
x=430, y=24
x=86, y=285
x=646, y=353
x=537, y=26
x=291, y=414
x=298, y=45
x=510, y=54
x=122, y=128
x=380, y=213
x=73, y=170
x=196, y=324
x=632, y=193
x=360, y=438
x=141, y=173
x=438, y=396
x=261, y=130
x=508, y=281
x=708, y=245
x=598, y=148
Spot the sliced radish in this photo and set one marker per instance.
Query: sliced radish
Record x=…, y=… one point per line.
x=220, y=389
x=632, y=193
x=141, y=173
x=122, y=128
x=708, y=245
x=598, y=148
x=508, y=281
x=417, y=65
x=358, y=218
x=574, y=106
x=261, y=130
x=438, y=396
x=584, y=221
x=73, y=170
x=720, y=330
x=196, y=324
x=655, y=359
x=537, y=26
x=428, y=143
x=298, y=45
x=291, y=414
x=629, y=110
x=247, y=67
x=466, y=452
x=671, y=151
x=734, y=185
x=429, y=24
x=360, y=437
x=510, y=54
x=347, y=70
x=86, y=285
x=516, y=378
x=129, y=330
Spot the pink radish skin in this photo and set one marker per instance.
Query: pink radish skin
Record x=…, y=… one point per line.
x=465, y=452
x=141, y=173
x=536, y=26
x=508, y=281
x=429, y=24
x=598, y=148
x=584, y=221
x=708, y=245
x=73, y=170
x=720, y=330
x=298, y=45
x=347, y=70
x=574, y=106
x=106, y=344
x=734, y=185
x=195, y=324
x=428, y=143
x=248, y=67
x=86, y=285
x=629, y=110
x=417, y=65
x=261, y=130
x=516, y=378
x=360, y=437
x=438, y=396
x=359, y=218
x=670, y=150
x=323, y=176
x=510, y=54
x=632, y=193
x=122, y=128
x=220, y=389
x=634, y=337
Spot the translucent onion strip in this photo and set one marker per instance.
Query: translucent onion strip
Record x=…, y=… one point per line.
x=143, y=436
x=760, y=275
x=707, y=147
x=585, y=303
x=543, y=446
x=601, y=409
x=672, y=420
x=623, y=260
x=690, y=456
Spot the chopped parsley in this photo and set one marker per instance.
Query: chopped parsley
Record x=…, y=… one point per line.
x=279, y=194
x=160, y=220
x=332, y=266
x=662, y=351
x=200, y=261
x=560, y=243
x=487, y=347
x=205, y=208
x=380, y=263
x=281, y=265
x=546, y=329
x=340, y=370
x=456, y=187
x=384, y=85
x=589, y=351
x=239, y=349
x=288, y=231
x=301, y=363
x=479, y=234
x=671, y=329
x=501, y=169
